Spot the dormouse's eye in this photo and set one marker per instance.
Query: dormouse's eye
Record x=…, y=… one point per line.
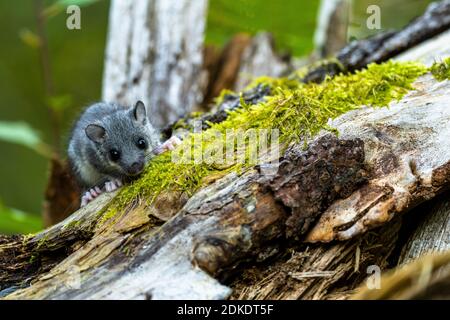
x=114, y=154
x=141, y=143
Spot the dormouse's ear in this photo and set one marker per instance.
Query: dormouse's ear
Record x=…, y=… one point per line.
x=139, y=112
x=96, y=133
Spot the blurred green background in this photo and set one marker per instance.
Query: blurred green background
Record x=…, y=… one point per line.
x=76, y=65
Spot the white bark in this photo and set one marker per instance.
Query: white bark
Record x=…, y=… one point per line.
x=154, y=53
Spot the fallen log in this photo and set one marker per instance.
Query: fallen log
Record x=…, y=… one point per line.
x=385, y=161
x=131, y=72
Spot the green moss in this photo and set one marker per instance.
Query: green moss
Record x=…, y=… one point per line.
x=223, y=94
x=72, y=224
x=296, y=109
x=33, y=258
x=441, y=70
x=26, y=238
x=42, y=242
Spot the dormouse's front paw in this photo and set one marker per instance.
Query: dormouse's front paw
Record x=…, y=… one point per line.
x=168, y=145
x=90, y=195
x=93, y=193
x=113, y=185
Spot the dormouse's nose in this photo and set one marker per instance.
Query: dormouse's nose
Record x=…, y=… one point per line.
x=136, y=168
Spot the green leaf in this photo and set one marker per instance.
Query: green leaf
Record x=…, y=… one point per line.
x=22, y=134
x=30, y=38
x=14, y=221
x=19, y=133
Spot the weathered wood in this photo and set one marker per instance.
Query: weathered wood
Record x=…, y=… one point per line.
x=220, y=225
x=432, y=234
x=317, y=272
x=235, y=218
x=243, y=59
x=405, y=173
x=430, y=51
x=354, y=56
x=409, y=168
x=154, y=53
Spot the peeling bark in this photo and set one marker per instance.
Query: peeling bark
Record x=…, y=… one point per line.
x=317, y=272
x=219, y=226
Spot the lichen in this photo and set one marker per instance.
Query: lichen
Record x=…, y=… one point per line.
x=441, y=70
x=298, y=110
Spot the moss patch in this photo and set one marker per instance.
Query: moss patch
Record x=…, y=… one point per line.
x=298, y=110
x=441, y=70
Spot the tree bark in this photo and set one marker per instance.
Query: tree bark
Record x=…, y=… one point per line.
x=154, y=53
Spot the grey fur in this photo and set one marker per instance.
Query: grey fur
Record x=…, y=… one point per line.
x=123, y=127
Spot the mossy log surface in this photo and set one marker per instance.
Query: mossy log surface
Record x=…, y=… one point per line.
x=385, y=161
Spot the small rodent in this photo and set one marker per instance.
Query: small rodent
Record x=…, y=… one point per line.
x=110, y=144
